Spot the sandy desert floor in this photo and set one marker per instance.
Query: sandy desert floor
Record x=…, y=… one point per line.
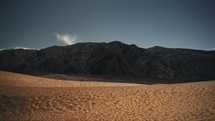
x=24, y=97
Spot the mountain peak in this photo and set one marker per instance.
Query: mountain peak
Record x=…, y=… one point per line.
x=158, y=47
x=116, y=42
x=113, y=59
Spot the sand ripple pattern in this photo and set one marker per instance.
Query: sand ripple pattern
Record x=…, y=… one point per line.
x=32, y=98
x=109, y=103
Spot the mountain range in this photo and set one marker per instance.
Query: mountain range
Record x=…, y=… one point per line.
x=113, y=59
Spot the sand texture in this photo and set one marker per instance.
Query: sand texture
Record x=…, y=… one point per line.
x=24, y=97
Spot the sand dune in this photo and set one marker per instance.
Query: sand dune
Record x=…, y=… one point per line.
x=20, y=80
x=24, y=97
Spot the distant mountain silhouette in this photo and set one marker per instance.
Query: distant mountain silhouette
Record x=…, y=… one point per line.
x=113, y=59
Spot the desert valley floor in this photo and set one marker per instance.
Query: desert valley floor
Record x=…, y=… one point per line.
x=24, y=97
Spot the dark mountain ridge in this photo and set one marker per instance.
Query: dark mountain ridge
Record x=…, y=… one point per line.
x=114, y=59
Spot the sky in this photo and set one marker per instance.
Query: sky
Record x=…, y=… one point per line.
x=146, y=23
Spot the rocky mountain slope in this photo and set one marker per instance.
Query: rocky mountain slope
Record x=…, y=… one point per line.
x=113, y=59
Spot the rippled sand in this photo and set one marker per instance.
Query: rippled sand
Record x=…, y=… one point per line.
x=25, y=97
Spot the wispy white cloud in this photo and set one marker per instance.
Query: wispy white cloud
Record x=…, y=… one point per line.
x=67, y=39
x=24, y=48
x=213, y=48
x=2, y=49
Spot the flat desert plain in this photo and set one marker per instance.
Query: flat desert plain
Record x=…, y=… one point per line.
x=24, y=97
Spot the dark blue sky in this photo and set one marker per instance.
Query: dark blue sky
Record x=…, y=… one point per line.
x=146, y=23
